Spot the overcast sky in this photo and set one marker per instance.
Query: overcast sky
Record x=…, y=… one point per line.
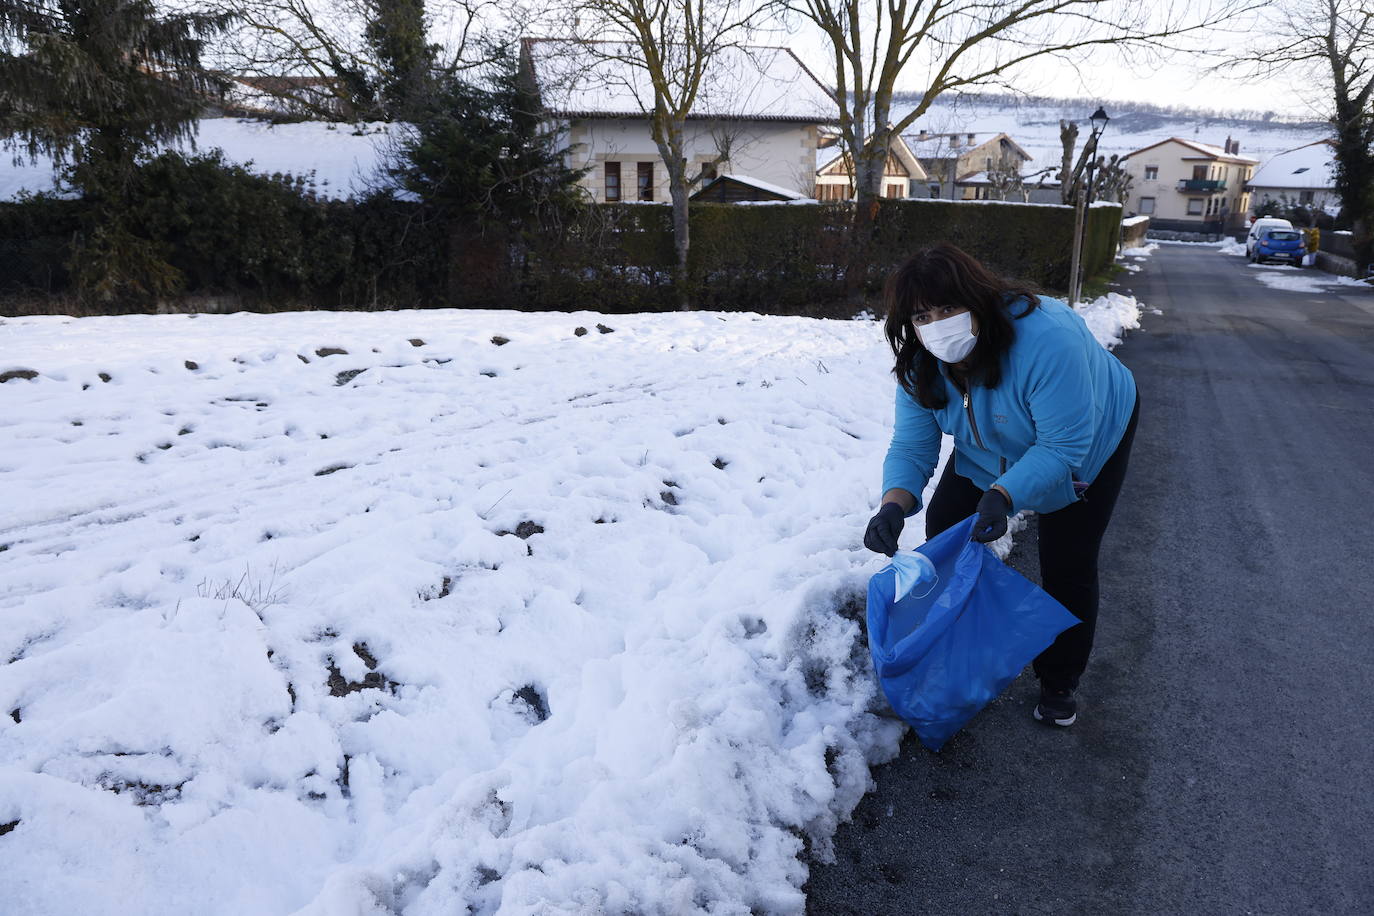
x=1108, y=75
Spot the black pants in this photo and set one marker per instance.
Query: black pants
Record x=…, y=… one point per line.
x=1069, y=543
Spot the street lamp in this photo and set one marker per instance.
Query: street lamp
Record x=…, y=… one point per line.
x=1099, y=121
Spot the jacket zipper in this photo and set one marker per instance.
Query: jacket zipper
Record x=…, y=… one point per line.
x=968, y=406
x=972, y=422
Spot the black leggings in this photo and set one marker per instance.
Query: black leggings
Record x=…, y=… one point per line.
x=1069, y=541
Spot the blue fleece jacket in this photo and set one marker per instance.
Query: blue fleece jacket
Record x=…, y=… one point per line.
x=1055, y=418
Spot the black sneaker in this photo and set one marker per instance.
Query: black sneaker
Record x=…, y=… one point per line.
x=1056, y=707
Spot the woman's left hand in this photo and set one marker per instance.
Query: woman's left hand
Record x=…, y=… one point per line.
x=991, y=523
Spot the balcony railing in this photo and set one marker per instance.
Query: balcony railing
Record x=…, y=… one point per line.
x=1201, y=184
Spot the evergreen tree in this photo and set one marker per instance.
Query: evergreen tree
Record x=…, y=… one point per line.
x=94, y=83
x=396, y=35
x=479, y=156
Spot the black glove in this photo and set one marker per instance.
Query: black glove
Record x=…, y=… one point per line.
x=991, y=523
x=883, y=529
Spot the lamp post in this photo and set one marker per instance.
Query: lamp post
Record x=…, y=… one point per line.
x=1099, y=121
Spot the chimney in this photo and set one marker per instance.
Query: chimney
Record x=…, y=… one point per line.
x=1228, y=145
x=922, y=134
x=970, y=139
x=1235, y=148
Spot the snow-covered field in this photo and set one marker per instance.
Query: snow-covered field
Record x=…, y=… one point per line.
x=435, y=623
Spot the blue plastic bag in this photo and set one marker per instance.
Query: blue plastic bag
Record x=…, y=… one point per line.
x=944, y=648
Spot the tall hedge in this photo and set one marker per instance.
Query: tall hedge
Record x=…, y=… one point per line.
x=271, y=243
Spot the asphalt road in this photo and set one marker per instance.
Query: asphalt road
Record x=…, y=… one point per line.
x=1223, y=760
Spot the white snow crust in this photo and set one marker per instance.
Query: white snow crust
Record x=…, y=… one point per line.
x=562, y=625
x=1300, y=280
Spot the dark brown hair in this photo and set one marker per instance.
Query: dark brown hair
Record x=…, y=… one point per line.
x=944, y=274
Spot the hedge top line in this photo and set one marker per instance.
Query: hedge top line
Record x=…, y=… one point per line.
x=846, y=204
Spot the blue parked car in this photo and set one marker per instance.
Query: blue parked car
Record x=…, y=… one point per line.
x=1279, y=244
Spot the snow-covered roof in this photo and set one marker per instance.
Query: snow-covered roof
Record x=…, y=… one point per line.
x=759, y=183
x=1306, y=167
x=1206, y=149
x=824, y=157
x=599, y=79
x=941, y=146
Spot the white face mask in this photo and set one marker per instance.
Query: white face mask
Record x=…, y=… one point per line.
x=949, y=339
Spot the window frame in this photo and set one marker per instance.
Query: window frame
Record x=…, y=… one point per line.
x=1195, y=205
x=612, y=166
x=1151, y=173
x=1143, y=210
x=644, y=189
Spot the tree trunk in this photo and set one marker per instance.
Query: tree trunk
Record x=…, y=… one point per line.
x=677, y=188
x=1068, y=137
x=668, y=137
x=868, y=178
x=1355, y=174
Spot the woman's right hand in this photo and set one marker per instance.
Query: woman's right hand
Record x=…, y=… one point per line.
x=884, y=528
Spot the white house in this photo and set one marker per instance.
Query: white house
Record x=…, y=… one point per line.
x=1304, y=176
x=758, y=107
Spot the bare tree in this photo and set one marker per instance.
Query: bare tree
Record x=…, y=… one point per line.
x=1111, y=181
x=1004, y=180
x=314, y=57
x=964, y=43
x=1331, y=43
x=664, y=50
x=1068, y=171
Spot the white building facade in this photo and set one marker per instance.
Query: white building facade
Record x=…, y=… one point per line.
x=758, y=115
x=1184, y=185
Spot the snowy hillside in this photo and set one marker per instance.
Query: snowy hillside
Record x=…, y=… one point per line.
x=341, y=160
x=1035, y=126
x=408, y=612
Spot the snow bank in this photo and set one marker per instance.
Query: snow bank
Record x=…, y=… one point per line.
x=1282, y=276
x=1107, y=316
x=1143, y=252
x=431, y=611
x=1231, y=246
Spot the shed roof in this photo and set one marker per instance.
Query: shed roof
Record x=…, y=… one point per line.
x=756, y=183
